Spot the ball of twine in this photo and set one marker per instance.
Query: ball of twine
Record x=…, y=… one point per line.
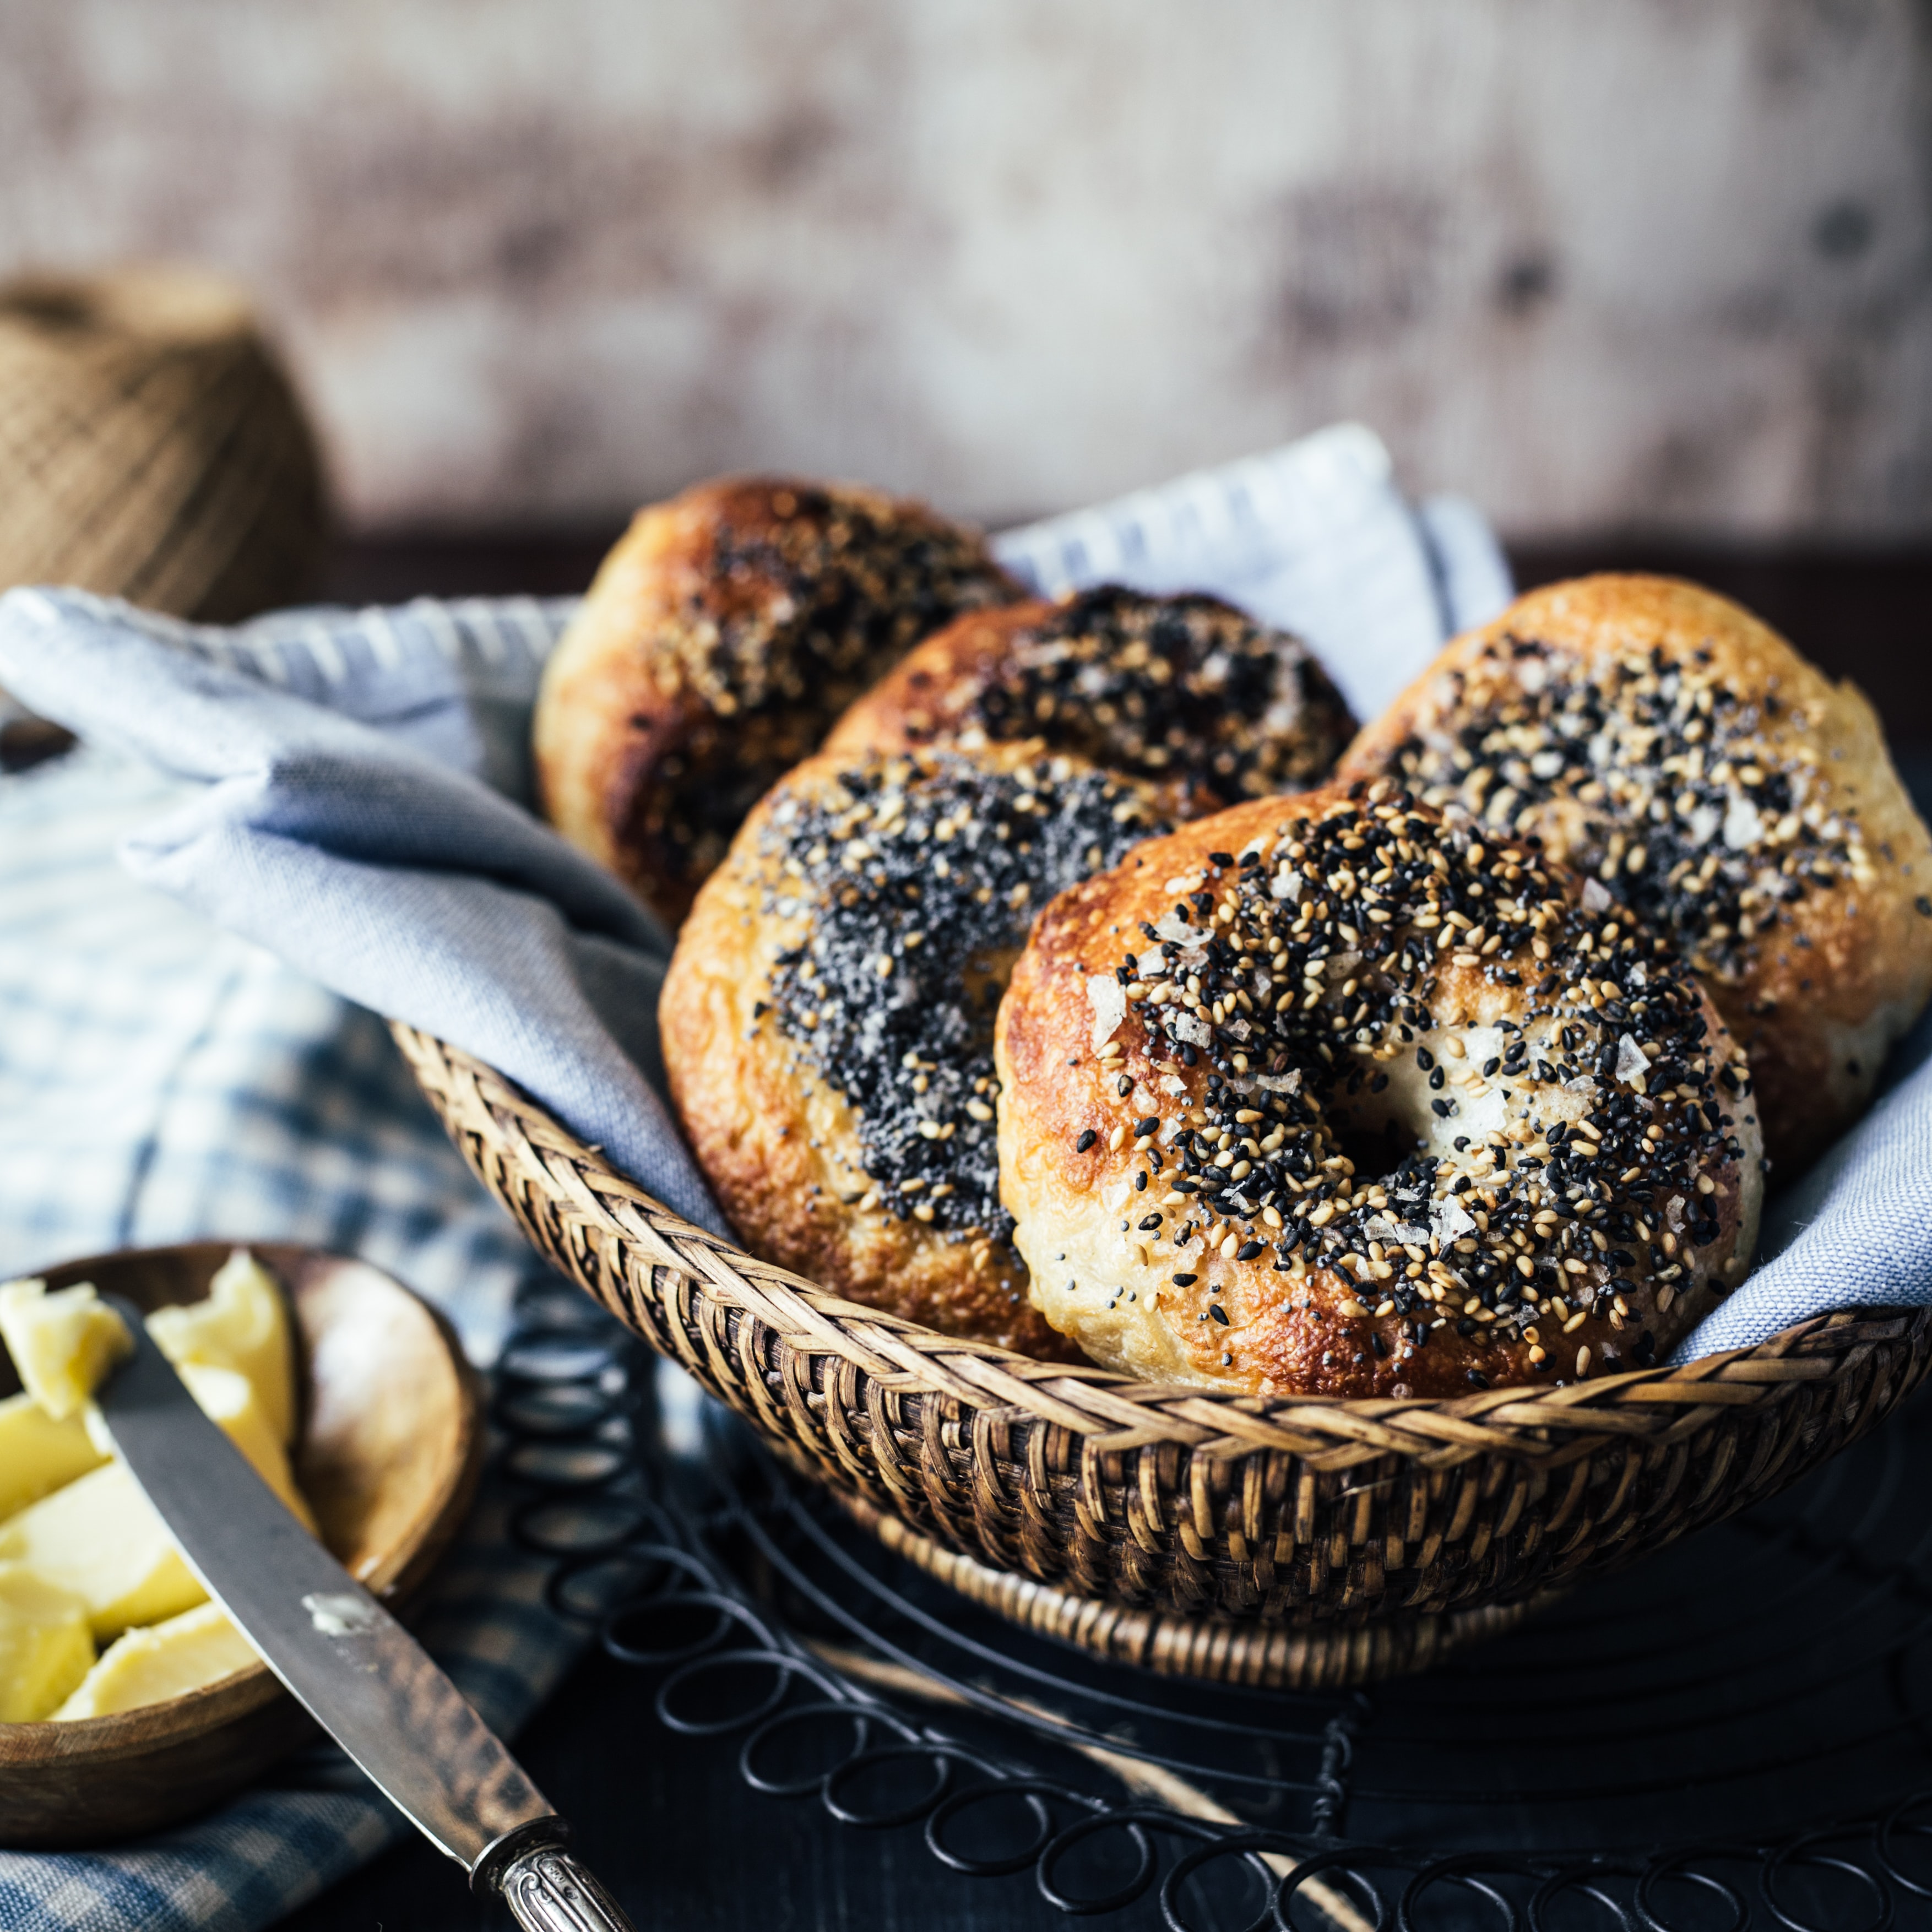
x=150, y=446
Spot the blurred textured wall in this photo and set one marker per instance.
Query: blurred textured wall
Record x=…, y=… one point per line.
x=1602, y=262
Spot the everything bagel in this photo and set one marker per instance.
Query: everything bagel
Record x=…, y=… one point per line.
x=1185, y=692
x=1661, y=739
x=724, y=632
x=828, y=1018
x=1327, y=1095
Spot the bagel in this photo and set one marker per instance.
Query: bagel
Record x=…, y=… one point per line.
x=1662, y=739
x=1323, y=1096
x=827, y=1019
x=1187, y=693
x=724, y=633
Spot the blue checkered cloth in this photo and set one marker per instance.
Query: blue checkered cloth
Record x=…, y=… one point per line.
x=162, y=1080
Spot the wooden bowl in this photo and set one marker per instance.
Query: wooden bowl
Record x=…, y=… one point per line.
x=388, y=1452
x=1247, y=1515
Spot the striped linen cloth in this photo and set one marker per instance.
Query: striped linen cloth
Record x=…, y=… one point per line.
x=320, y=818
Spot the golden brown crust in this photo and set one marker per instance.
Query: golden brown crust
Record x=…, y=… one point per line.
x=827, y=1019
x=1350, y=1023
x=1780, y=807
x=1184, y=692
x=723, y=633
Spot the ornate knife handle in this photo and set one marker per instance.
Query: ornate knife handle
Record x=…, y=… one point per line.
x=547, y=1890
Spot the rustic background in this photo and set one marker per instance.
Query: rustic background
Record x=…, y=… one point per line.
x=1659, y=266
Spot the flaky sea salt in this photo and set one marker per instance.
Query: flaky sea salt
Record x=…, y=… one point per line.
x=1108, y=999
x=1632, y=1069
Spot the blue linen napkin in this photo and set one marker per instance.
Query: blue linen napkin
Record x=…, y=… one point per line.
x=1854, y=1230
x=343, y=815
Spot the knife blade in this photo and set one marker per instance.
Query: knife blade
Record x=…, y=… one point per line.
x=357, y=1672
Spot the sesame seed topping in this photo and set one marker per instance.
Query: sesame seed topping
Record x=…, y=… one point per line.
x=800, y=610
x=1186, y=691
x=1591, y=1095
x=1700, y=807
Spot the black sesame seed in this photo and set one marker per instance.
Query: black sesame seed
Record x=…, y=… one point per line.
x=1149, y=1125
x=1248, y=1250
x=1087, y=1138
x=1186, y=1280
x=1220, y=1314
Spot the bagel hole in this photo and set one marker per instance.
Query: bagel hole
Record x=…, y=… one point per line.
x=1377, y=1148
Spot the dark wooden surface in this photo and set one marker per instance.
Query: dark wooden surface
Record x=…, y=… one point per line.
x=665, y=1820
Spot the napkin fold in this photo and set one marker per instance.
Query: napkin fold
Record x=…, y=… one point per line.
x=343, y=816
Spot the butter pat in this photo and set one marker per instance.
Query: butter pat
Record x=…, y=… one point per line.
x=242, y=1324
x=38, y=1454
x=61, y=1343
x=100, y=1538
x=46, y=1649
x=230, y=1398
x=148, y=1667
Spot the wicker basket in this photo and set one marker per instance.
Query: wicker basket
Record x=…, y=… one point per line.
x=1421, y=1520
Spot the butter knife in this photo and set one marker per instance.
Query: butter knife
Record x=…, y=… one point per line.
x=359, y=1674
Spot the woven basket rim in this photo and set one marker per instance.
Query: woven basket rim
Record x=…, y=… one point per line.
x=1111, y=1412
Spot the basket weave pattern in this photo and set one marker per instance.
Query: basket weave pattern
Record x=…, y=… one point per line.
x=1285, y=1510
